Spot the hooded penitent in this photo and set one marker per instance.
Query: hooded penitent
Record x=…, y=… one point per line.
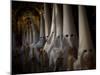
x=70, y=39
x=86, y=53
x=29, y=36
x=33, y=38
x=57, y=44
x=47, y=19
x=69, y=30
x=49, y=43
x=27, y=40
x=59, y=19
x=41, y=41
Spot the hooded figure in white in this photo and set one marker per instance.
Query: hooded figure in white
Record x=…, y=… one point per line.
x=41, y=41
x=33, y=38
x=28, y=38
x=86, y=52
x=70, y=39
x=49, y=43
x=55, y=52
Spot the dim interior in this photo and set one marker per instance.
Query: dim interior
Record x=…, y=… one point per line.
x=46, y=37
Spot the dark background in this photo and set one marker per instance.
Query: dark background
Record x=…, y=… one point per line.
x=19, y=7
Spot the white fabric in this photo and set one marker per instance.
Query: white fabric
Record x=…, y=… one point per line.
x=69, y=27
x=49, y=43
x=47, y=19
x=68, y=21
x=85, y=42
x=41, y=41
x=59, y=20
x=56, y=51
x=42, y=24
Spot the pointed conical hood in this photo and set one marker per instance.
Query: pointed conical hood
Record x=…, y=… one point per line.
x=52, y=35
x=85, y=42
x=68, y=23
x=42, y=33
x=47, y=19
x=53, y=26
x=69, y=30
x=32, y=29
x=59, y=19
x=86, y=55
